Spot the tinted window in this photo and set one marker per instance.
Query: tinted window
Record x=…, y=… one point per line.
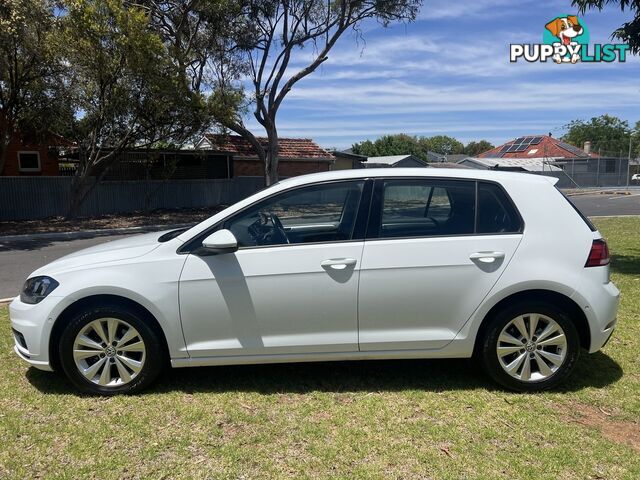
x=319, y=213
x=415, y=208
x=496, y=214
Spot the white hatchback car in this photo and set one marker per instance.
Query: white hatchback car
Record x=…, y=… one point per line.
x=345, y=265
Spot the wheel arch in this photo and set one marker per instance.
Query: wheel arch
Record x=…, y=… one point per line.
x=572, y=309
x=101, y=300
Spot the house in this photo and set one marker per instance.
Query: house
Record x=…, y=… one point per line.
x=394, y=161
x=537, y=146
x=544, y=153
x=347, y=160
x=511, y=164
x=33, y=158
x=297, y=156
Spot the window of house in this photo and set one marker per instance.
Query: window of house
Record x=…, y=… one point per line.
x=29, y=161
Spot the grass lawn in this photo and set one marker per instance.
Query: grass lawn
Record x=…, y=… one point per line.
x=413, y=419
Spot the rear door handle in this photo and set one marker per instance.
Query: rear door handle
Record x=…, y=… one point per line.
x=487, y=257
x=338, y=263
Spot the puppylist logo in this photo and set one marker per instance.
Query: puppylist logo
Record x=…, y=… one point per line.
x=566, y=40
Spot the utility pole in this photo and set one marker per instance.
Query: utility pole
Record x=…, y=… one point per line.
x=629, y=159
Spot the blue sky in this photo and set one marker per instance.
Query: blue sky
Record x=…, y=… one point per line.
x=449, y=73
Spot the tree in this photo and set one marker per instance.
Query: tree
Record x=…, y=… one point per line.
x=31, y=81
x=399, y=144
x=607, y=134
x=628, y=32
x=476, y=148
x=266, y=36
x=442, y=144
x=126, y=89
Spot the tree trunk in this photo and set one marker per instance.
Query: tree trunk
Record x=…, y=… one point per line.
x=4, y=145
x=271, y=161
x=81, y=187
x=3, y=156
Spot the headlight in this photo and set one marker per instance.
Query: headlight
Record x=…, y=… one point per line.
x=37, y=288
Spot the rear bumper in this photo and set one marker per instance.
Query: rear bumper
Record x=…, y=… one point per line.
x=600, y=305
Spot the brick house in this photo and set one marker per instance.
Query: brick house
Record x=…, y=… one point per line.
x=297, y=156
x=32, y=159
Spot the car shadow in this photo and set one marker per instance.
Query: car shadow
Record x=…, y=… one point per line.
x=597, y=370
x=625, y=264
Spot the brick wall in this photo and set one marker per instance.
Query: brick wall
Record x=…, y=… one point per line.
x=48, y=163
x=254, y=168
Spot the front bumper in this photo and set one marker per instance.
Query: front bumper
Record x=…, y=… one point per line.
x=31, y=325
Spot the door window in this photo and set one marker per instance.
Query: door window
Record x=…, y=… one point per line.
x=317, y=213
x=417, y=208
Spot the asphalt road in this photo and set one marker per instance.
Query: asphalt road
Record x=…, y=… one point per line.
x=18, y=259
x=600, y=205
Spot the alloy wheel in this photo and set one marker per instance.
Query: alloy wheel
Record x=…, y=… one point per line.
x=109, y=352
x=531, y=347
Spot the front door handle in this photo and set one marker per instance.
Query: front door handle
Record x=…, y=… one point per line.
x=338, y=263
x=487, y=257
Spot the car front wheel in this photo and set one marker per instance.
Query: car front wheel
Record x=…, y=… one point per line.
x=108, y=350
x=530, y=347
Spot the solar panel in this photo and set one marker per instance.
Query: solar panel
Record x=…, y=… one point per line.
x=518, y=140
x=570, y=148
x=522, y=147
x=536, y=140
x=513, y=148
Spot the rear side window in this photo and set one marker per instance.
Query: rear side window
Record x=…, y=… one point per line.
x=496, y=213
x=416, y=208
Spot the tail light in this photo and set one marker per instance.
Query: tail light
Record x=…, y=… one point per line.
x=599, y=254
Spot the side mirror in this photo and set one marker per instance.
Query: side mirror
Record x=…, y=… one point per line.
x=220, y=241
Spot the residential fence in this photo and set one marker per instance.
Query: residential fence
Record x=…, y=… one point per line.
x=23, y=198
x=593, y=172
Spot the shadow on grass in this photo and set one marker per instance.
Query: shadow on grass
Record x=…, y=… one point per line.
x=625, y=264
x=597, y=370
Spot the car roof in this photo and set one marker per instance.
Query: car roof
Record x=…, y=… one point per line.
x=474, y=174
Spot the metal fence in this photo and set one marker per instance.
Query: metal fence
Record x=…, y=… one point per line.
x=24, y=198
x=595, y=172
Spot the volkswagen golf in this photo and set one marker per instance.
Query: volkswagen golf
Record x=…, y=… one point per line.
x=346, y=265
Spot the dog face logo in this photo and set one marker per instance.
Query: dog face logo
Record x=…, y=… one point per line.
x=566, y=29
x=565, y=39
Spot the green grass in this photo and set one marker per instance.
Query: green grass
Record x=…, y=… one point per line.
x=413, y=419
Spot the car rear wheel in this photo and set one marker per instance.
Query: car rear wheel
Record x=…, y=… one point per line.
x=530, y=347
x=109, y=350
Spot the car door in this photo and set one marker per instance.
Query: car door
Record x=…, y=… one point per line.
x=291, y=288
x=434, y=250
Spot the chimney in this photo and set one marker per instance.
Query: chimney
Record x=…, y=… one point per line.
x=587, y=147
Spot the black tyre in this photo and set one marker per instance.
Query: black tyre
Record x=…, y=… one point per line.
x=110, y=350
x=530, y=346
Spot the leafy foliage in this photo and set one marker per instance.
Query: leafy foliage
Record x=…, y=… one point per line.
x=126, y=88
x=476, y=148
x=607, y=134
x=628, y=32
x=402, y=144
x=32, y=101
